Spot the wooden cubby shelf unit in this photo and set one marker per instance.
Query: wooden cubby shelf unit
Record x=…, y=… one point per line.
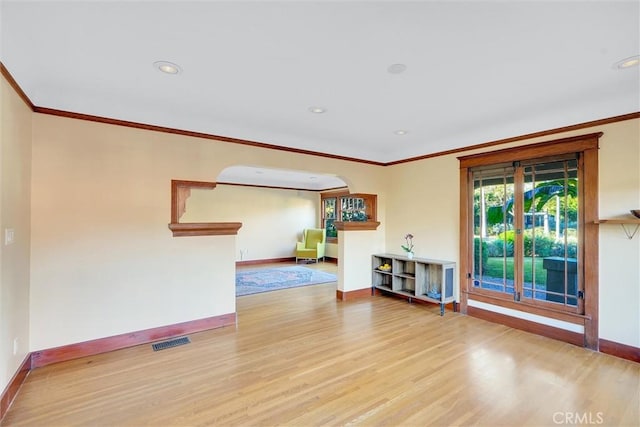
x=416, y=278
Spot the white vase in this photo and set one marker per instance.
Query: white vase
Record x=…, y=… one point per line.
x=410, y=255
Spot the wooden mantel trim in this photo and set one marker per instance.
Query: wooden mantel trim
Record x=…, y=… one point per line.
x=204, y=228
x=356, y=225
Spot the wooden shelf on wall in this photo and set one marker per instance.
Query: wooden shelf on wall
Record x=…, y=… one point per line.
x=623, y=223
x=618, y=221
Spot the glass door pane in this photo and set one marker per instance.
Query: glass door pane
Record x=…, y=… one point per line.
x=493, y=249
x=550, y=235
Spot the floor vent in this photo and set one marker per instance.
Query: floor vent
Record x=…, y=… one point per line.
x=171, y=343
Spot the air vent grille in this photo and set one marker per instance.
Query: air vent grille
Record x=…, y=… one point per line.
x=170, y=343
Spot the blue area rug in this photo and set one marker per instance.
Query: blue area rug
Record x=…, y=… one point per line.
x=270, y=279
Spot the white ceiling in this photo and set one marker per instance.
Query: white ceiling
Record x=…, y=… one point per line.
x=282, y=178
x=477, y=71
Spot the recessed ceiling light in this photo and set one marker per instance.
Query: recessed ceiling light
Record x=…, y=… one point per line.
x=396, y=68
x=632, y=61
x=167, y=67
x=317, y=110
x=400, y=132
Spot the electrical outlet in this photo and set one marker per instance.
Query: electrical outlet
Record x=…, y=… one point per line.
x=9, y=236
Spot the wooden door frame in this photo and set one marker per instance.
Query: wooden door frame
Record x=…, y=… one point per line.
x=587, y=146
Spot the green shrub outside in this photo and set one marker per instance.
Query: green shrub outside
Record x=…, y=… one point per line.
x=545, y=245
x=499, y=248
x=477, y=252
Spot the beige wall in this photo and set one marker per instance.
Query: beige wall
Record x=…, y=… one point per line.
x=331, y=250
x=424, y=201
x=356, y=247
x=103, y=259
x=619, y=256
x=15, y=184
x=272, y=219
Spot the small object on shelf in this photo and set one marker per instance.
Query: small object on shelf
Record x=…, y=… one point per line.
x=385, y=267
x=434, y=295
x=636, y=212
x=408, y=248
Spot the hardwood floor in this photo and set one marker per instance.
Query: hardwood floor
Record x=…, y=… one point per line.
x=299, y=357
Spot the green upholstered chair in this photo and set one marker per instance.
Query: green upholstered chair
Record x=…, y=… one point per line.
x=312, y=245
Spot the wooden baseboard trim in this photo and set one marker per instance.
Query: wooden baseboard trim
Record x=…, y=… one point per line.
x=528, y=326
x=11, y=390
x=264, y=261
x=276, y=260
x=620, y=350
x=117, y=342
x=351, y=295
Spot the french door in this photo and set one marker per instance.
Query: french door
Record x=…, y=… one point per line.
x=529, y=237
x=526, y=222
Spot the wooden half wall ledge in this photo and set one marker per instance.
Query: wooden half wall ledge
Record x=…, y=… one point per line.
x=117, y=342
x=356, y=225
x=204, y=228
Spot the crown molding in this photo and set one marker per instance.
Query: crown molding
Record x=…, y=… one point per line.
x=14, y=84
x=183, y=132
x=592, y=123
x=163, y=129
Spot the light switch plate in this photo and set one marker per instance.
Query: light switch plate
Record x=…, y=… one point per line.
x=9, y=236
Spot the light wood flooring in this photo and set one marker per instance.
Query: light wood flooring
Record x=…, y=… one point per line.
x=299, y=357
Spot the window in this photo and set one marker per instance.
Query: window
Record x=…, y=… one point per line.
x=528, y=237
x=359, y=210
x=526, y=232
x=331, y=212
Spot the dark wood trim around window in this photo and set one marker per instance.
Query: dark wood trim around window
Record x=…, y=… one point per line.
x=332, y=195
x=371, y=207
x=587, y=145
x=590, y=246
x=557, y=147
